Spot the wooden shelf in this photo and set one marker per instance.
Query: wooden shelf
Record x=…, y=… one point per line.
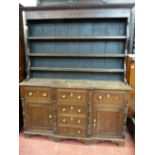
x=77, y=70
x=77, y=55
x=78, y=38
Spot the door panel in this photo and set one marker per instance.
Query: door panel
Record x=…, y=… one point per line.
x=39, y=115
x=107, y=121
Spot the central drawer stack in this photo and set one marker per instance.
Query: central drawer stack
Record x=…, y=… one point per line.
x=72, y=113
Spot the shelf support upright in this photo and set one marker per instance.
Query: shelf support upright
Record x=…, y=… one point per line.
x=26, y=45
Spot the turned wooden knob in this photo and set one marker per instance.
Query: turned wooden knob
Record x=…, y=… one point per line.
x=64, y=120
x=94, y=125
x=79, y=110
x=79, y=121
x=108, y=96
x=79, y=132
x=100, y=97
x=63, y=96
x=79, y=97
x=71, y=118
x=44, y=94
x=94, y=120
x=72, y=107
x=64, y=109
x=72, y=94
x=50, y=116
x=30, y=93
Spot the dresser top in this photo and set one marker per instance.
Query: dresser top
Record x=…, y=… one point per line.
x=80, y=84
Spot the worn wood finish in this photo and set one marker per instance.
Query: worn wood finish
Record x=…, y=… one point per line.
x=89, y=110
x=131, y=81
x=78, y=113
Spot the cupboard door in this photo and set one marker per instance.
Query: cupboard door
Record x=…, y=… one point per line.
x=39, y=115
x=107, y=121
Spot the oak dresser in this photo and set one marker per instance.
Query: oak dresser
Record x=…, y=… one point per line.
x=76, y=71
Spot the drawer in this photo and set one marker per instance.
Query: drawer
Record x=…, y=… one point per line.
x=104, y=97
x=36, y=92
x=71, y=109
x=77, y=121
x=72, y=95
x=72, y=132
x=79, y=132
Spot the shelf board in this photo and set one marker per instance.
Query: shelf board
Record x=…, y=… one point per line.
x=78, y=38
x=77, y=55
x=77, y=70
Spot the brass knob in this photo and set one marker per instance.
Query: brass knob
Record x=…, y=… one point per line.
x=30, y=94
x=44, y=94
x=79, y=121
x=79, y=110
x=71, y=118
x=72, y=107
x=79, y=97
x=63, y=96
x=64, y=109
x=79, y=132
x=100, y=97
x=94, y=125
x=108, y=95
x=94, y=120
x=72, y=94
x=50, y=116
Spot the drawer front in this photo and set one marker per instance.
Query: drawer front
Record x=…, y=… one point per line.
x=71, y=109
x=72, y=95
x=36, y=92
x=72, y=132
x=76, y=121
x=105, y=97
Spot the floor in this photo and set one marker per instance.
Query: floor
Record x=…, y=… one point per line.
x=43, y=146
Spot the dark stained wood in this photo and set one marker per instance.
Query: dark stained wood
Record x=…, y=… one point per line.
x=21, y=48
x=77, y=70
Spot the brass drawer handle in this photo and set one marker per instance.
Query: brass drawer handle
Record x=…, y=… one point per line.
x=63, y=96
x=94, y=125
x=94, y=120
x=79, y=97
x=44, y=94
x=64, y=109
x=50, y=116
x=79, y=110
x=100, y=97
x=78, y=132
x=72, y=107
x=79, y=121
x=30, y=93
x=64, y=120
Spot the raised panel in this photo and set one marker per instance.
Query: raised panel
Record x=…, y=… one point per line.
x=108, y=121
x=39, y=115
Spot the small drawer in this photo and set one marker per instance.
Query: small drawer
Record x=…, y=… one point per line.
x=105, y=97
x=65, y=131
x=71, y=109
x=36, y=92
x=79, y=132
x=69, y=120
x=72, y=132
x=72, y=95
